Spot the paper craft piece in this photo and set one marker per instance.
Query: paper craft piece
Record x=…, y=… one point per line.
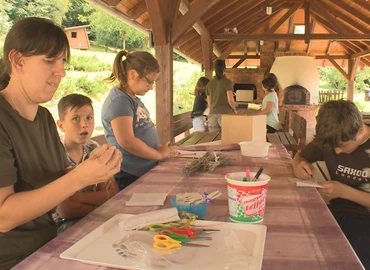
x=150, y=218
x=308, y=183
x=147, y=199
x=190, y=154
x=321, y=173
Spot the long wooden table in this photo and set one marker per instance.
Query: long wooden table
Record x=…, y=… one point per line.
x=301, y=232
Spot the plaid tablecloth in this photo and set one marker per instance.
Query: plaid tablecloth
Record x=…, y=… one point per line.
x=301, y=232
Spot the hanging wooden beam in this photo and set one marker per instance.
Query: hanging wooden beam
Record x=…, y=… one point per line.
x=307, y=30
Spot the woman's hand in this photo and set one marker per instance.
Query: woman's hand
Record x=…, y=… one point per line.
x=104, y=162
x=332, y=189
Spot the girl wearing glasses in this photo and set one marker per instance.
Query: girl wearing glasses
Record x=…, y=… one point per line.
x=126, y=121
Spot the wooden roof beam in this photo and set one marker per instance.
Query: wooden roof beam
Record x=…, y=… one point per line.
x=286, y=16
x=230, y=49
x=332, y=56
x=111, y=3
x=312, y=29
x=290, y=31
x=137, y=11
x=239, y=62
x=322, y=10
x=199, y=26
x=339, y=68
x=196, y=10
x=359, y=54
x=276, y=37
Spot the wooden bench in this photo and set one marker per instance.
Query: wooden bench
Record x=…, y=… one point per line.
x=284, y=118
x=182, y=123
x=199, y=137
x=291, y=142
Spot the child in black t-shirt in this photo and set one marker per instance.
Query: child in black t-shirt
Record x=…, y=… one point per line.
x=200, y=104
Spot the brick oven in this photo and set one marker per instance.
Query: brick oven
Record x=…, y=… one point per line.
x=299, y=78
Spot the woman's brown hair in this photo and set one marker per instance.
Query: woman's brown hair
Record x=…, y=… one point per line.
x=200, y=87
x=32, y=36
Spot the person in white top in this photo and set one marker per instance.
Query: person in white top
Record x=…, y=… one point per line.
x=270, y=105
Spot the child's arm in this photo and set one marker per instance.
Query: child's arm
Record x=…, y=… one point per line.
x=124, y=133
x=104, y=192
x=69, y=209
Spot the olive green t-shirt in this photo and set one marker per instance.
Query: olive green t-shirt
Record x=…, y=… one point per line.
x=217, y=90
x=31, y=156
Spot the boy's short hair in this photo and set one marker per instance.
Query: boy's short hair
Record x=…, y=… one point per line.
x=72, y=101
x=337, y=121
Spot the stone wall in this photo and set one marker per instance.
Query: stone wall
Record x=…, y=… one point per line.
x=248, y=76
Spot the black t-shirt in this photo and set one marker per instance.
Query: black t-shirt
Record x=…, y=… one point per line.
x=348, y=169
x=31, y=156
x=199, y=106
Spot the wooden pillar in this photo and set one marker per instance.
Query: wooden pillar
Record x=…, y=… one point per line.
x=164, y=93
x=352, y=68
x=207, y=48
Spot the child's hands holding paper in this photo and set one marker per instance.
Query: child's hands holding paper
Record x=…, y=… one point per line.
x=332, y=189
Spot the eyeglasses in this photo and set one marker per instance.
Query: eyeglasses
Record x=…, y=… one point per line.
x=149, y=82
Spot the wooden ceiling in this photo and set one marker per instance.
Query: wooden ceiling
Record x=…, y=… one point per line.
x=336, y=30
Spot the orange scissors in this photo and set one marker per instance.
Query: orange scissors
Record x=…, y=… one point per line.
x=164, y=242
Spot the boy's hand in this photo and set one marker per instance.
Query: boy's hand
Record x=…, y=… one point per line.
x=332, y=189
x=303, y=170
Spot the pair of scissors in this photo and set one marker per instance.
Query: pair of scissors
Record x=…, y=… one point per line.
x=164, y=242
x=191, y=232
x=182, y=237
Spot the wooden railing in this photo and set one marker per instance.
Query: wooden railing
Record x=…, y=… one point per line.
x=182, y=123
x=327, y=95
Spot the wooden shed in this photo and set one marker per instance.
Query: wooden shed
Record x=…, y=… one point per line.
x=77, y=37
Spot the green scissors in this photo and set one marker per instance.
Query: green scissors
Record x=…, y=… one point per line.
x=164, y=242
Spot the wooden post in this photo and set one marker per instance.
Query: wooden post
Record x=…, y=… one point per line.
x=164, y=93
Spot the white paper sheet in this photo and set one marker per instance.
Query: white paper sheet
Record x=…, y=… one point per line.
x=146, y=199
x=307, y=183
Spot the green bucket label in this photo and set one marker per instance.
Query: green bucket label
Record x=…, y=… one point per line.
x=247, y=203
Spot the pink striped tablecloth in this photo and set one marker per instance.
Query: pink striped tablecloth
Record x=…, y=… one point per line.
x=301, y=232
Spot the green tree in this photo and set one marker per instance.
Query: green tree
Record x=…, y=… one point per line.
x=79, y=12
x=108, y=32
x=50, y=9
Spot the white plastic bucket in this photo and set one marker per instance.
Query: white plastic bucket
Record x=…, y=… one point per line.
x=254, y=149
x=246, y=199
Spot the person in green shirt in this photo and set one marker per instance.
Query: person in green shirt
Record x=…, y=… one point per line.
x=220, y=97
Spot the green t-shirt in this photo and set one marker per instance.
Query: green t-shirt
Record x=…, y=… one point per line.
x=31, y=156
x=217, y=90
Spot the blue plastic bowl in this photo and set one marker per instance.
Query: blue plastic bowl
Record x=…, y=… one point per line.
x=196, y=209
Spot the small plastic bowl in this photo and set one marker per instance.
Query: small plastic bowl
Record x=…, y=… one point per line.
x=196, y=209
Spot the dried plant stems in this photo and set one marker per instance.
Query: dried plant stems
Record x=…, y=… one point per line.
x=207, y=163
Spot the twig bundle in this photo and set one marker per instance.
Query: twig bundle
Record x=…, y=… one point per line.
x=207, y=163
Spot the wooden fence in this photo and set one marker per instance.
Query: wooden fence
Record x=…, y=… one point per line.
x=327, y=95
